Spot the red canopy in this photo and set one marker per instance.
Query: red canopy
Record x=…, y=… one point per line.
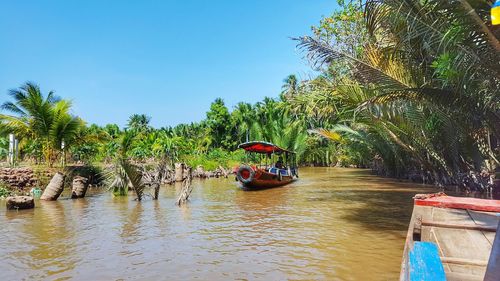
x=262, y=147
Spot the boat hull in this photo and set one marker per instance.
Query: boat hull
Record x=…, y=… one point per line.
x=462, y=229
x=263, y=180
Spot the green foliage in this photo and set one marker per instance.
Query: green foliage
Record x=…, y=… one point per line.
x=444, y=70
x=219, y=124
x=4, y=147
x=45, y=121
x=215, y=158
x=138, y=123
x=419, y=92
x=345, y=28
x=4, y=191
x=124, y=173
x=405, y=86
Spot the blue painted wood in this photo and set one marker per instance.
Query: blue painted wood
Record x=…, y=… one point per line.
x=425, y=263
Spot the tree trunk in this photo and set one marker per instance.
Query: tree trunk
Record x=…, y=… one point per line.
x=489, y=34
x=80, y=185
x=179, y=172
x=20, y=202
x=55, y=187
x=223, y=171
x=186, y=189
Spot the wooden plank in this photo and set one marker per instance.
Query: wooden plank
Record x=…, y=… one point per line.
x=490, y=236
x=484, y=218
x=463, y=261
x=465, y=244
x=444, y=201
x=454, y=276
x=425, y=263
x=451, y=215
x=459, y=226
x=460, y=243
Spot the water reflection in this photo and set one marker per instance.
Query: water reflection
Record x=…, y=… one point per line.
x=332, y=224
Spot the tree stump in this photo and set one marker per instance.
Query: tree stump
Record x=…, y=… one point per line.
x=223, y=171
x=55, y=187
x=186, y=189
x=187, y=172
x=179, y=172
x=199, y=172
x=20, y=202
x=80, y=185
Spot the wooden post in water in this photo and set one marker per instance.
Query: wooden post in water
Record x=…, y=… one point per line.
x=80, y=185
x=186, y=189
x=179, y=171
x=55, y=187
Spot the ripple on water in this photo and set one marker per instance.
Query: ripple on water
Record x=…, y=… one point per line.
x=332, y=224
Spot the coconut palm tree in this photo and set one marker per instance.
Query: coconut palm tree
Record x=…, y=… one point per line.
x=123, y=173
x=46, y=120
x=138, y=122
x=243, y=116
x=423, y=93
x=290, y=86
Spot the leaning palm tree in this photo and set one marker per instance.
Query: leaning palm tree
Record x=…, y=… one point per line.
x=45, y=120
x=123, y=173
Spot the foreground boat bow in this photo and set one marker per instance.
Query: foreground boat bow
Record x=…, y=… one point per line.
x=451, y=238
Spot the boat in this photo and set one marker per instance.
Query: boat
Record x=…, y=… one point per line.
x=452, y=238
x=279, y=167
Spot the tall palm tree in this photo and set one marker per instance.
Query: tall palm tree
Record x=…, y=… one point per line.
x=43, y=119
x=138, y=122
x=290, y=86
x=244, y=117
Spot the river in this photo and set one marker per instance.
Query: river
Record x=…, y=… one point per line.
x=331, y=224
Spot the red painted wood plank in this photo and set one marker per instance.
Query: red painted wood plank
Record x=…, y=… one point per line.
x=444, y=201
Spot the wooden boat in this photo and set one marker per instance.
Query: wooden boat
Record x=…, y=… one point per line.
x=452, y=238
x=267, y=175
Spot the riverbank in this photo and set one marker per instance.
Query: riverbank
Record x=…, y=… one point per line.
x=20, y=180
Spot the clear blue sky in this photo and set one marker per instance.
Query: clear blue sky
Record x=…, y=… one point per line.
x=167, y=59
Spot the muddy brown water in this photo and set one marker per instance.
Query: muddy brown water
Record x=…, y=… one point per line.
x=332, y=224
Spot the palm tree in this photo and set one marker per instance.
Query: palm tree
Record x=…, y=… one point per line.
x=139, y=122
x=42, y=119
x=423, y=94
x=124, y=173
x=290, y=86
x=243, y=117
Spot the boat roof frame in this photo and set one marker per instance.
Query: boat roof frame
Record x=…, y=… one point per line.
x=263, y=147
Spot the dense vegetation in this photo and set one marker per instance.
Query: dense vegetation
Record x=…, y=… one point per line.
x=409, y=88
x=42, y=124
x=412, y=84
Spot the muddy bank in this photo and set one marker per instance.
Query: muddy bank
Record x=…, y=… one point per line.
x=22, y=179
